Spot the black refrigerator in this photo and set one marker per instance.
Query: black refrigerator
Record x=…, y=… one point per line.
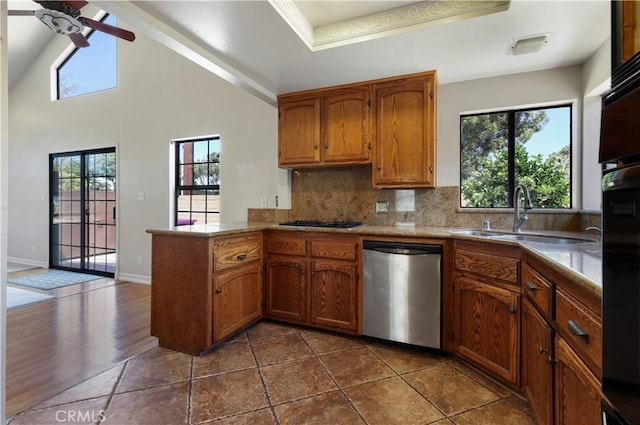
x=620, y=150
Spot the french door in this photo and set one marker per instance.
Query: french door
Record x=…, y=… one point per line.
x=82, y=211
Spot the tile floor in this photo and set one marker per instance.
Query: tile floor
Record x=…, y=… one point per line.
x=278, y=374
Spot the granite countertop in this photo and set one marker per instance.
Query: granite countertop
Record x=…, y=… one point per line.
x=580, y=262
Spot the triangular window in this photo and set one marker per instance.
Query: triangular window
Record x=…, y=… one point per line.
x=90, y=69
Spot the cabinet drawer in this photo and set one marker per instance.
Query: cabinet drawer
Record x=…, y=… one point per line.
x=505, y=269
x=231, y=252
x=580, y=328
x=287, y=244
x=336, y=248
x=538, y=289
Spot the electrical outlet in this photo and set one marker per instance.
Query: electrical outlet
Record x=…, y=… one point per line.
x=382, y=207
x=139, y=261
x=264, y=202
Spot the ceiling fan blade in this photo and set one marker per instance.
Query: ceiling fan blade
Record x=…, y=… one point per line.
x=79, y=40
x=108, y=29
x=20, y=12
x=77, y=5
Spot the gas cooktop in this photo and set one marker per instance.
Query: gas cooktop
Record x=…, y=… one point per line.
x=315, y=223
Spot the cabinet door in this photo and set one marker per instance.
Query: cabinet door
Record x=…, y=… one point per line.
x=487, y=327
x=333, y=294
x=578, y=398
x=346, y=122
x=404, y=153
x=237, y=300
x=286, y=287
x=537, y=363
x=299, y=133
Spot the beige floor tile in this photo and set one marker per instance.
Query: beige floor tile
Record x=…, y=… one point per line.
x=331, y=408
x=325, y=342
x=228, y=394
x=98, y=386
x=259, y=417
x=224, y=358
x=296, y=379
x=508, y=411
x=391, y=402
x=357, y=366
x=168, y=404
x=449, y=389
x=404, y=359
x=147, y=372
x=266, y=329
x=82, y=412
x=280, y=348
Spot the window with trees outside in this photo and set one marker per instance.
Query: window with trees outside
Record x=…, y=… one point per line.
x=197, y=188
x=500, y=150
x=90, y=69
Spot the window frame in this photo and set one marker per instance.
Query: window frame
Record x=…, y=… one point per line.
x=66, y=57
x=178, y=187
x=511, y=113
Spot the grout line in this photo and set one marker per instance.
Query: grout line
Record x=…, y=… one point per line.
x=190, y=394
x=264, y=385
x=111, y=394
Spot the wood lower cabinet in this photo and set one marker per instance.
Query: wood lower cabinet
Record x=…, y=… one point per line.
x=578, y=395
x=237, y=299
x=333, y=294
x=286, y=288
x=487, y=308
x=317, y=284
x=537, y=363
x=204, y=289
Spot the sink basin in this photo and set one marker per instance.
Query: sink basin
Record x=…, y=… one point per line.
x=542, y=239
x=486, y=233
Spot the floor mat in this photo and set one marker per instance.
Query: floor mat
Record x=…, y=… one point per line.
x=52, y=279
x=17, y=297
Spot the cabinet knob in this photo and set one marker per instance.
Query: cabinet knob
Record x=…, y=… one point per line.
x=379, y=167
x=531, y=286
x=542, y=350
x=551, y=360
x=431, y=169
x=315, y=146
x=241, y=256
x=326, y=146
x=218, y=291
x=512, y=310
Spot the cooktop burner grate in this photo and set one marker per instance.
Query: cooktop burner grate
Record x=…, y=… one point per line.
x=316, y=223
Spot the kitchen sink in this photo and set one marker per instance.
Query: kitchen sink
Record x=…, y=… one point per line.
x=521, y=237
x=486, y=233
x=541, y=239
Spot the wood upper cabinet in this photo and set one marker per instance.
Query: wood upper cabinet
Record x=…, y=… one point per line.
x=324, y=127
x=299, y=132
x=405, y=132
x=578, y=396
x=487, y=308
x=345, y=119
x=537, y=363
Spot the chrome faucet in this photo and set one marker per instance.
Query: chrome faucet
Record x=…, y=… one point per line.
x=519, y=218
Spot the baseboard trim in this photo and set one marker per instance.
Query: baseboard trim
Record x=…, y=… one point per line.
x=34, y=263
x=134, y=278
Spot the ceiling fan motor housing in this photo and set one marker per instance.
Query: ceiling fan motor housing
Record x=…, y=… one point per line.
x=59, y=22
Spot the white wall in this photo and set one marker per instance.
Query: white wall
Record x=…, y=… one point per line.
x=160, y=96
x=511, y=91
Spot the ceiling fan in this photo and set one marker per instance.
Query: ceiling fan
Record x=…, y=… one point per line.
x=64, y=17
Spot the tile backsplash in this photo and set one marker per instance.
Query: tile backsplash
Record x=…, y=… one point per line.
x=345, y=193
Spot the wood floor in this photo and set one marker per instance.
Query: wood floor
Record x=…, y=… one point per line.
x=87, y=329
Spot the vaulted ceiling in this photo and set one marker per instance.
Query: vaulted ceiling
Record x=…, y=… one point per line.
x=279, y=46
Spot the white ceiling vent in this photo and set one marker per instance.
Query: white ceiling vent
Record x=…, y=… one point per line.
x=529, y=44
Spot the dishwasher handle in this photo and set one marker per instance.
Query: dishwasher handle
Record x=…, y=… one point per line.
x=400, y=248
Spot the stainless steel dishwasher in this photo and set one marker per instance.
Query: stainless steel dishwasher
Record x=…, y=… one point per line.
x=401, y=295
